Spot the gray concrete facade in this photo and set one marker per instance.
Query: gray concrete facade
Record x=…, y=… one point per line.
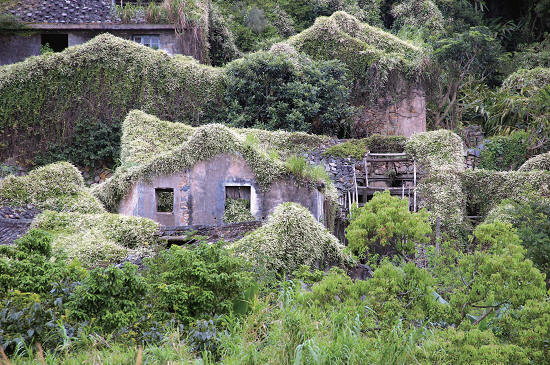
x=200, y=193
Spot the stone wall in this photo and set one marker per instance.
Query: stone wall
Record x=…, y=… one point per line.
x=212, y=233
x=15, y=222
x=199, y=194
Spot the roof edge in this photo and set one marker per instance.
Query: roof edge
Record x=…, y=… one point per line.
x=98, y=26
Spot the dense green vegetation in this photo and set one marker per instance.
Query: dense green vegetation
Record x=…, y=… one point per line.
x=86, y=285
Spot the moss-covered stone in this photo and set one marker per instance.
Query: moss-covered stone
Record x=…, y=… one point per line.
x=357, y=148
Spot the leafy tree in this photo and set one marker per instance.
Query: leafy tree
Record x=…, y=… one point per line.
x=474, y=53
x=495, y=276
x=386, y=226
x=287, y=91
x=505, y=153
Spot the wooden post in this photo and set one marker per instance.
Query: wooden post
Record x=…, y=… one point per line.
x=414, y=183
x=366, y=171
x=355, y=183
x=349, y=203
x=402, y=190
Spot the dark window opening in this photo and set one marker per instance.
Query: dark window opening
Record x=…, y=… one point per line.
x=165, y=200
x=57, y=42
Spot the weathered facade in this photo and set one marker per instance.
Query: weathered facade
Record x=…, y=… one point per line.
x=61, y=24
x=199, y=194
x=400, y=111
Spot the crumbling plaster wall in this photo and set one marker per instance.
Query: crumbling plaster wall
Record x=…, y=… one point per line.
x=400, y=110
x=199, y=194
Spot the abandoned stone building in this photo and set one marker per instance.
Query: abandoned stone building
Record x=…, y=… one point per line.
x=61, y=24
x=198, y=195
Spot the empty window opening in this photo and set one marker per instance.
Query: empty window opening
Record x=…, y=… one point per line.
x=165, y=200
x=57, y=42
x=148, y=40
x=237, y=204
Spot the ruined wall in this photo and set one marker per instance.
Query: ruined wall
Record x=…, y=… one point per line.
x=400, y=111
x=199, y=194
x=15, y=48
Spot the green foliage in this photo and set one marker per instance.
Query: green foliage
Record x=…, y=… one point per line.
x=452, y=346
x=237, y=210
x=110, y=297
x=539, y=162
x=291, y=93
x=495, y=276
x=45, y=98
x=291, y=237
x=505, y=153
x=58, y=186
x=27, y=266
x=357, y=148
x=93, y=142
x=24, y=320
x=199, y=282
x=99, y=239
x=385, y=226
x=531, y=220
x=437, y=149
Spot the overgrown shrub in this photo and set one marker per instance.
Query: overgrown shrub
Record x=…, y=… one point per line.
x=237, y=210
x=27, y=266
x=385, y=226
x=290, y=93
x=505, y=153
x=539, y=162
x=197, y=283
x=58, y=186
x=291, y=237
x=99, y=239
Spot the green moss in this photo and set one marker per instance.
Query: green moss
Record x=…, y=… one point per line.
x=58, y=186
x=291, y=237
x=357, y=148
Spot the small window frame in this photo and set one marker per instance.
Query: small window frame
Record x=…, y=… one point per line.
x=147, y=40
x=158, y=207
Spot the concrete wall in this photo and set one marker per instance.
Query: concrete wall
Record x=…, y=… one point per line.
x=401, y=111
x=199, y=194
x=15, y=48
